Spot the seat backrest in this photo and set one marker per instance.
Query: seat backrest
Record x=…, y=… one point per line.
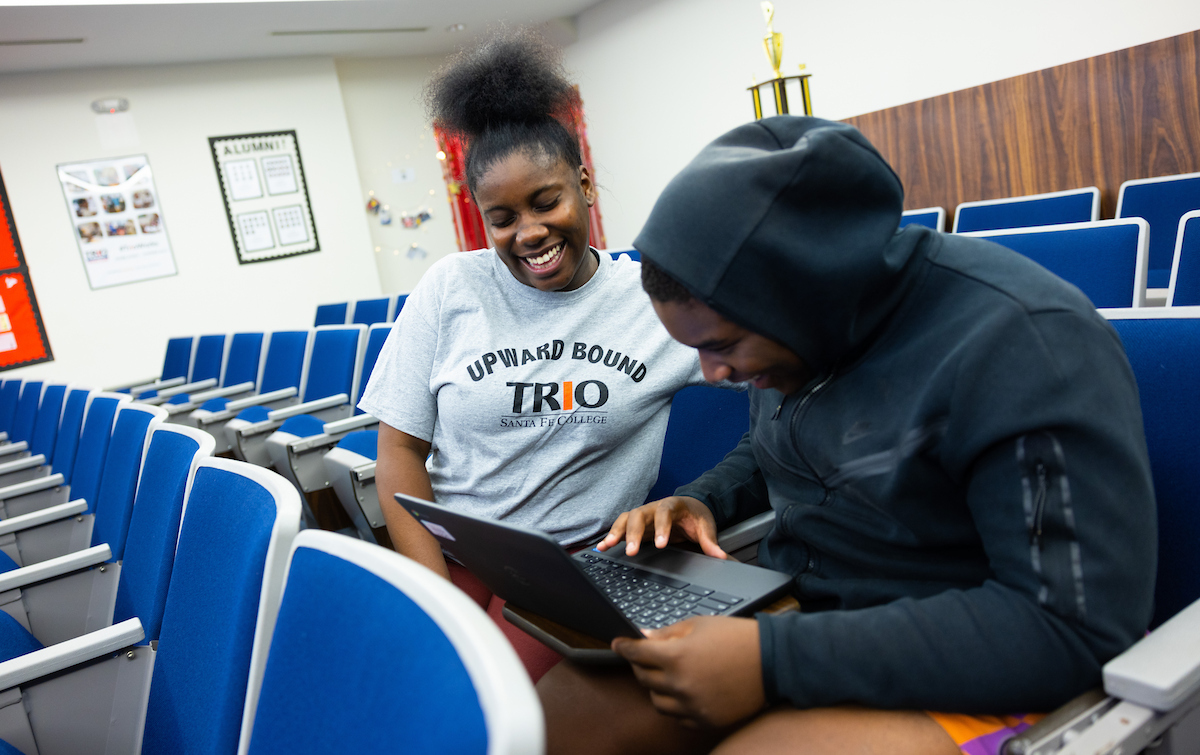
x=631, y=253
x=287, y=356
x=417, y=662
x=1163, y=345
x=1185, y=267
x=1054, y=208
x=45, y=427
x=244, y=359
x=66, y=443
x=118, y=481
x=171, y=456
x=210, y=357
x=177, y=363
x=376, y=336
x=98, y=419
x=930, y=217
x=27, y=407
x=331, y=314
x=370, y=311
x=1161, y=201
x=1105, y=259
x=706, y=423
x=10, y=394
x=334, y=362
x=238, y=524
x=397, y=307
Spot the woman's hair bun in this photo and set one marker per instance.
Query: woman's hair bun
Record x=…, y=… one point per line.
x=516, y=77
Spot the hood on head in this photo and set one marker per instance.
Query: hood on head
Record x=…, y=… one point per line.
x=787, y=226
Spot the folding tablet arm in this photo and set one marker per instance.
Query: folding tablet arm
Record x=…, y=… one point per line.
x=248, y=439
x=65, y=597
x=1153, y=696
x=302, y=459
x=33, y=495
x=47, y=533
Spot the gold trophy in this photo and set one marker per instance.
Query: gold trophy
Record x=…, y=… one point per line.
x=773, y=46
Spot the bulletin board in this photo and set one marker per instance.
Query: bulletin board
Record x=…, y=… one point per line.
x=22, y=336
x=265, y=194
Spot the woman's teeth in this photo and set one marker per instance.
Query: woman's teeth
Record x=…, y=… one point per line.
x=549, y=256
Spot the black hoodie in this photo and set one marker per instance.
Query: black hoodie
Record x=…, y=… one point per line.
x=963, y=491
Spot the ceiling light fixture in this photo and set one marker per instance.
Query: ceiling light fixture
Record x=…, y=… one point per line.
x=315, y=32
x=456, y=27
x=17, y=42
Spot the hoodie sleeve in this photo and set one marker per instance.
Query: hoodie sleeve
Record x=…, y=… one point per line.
x=734, y=489
x=1057, y=479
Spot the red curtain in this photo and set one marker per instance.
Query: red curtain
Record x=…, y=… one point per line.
x=468, y=225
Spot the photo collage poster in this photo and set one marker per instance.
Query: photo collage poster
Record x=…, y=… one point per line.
x=118, y=223
x=266, y=197
x=23, y=338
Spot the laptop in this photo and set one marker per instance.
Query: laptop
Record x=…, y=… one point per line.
x=601, y=595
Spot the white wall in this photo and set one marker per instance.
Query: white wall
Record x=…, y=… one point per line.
x=118, y=333
x=389, y=131
x=662, y=78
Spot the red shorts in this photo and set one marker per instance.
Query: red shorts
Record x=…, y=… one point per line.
x=538, y=658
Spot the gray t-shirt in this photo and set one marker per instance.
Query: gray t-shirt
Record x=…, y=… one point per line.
x=545, y=409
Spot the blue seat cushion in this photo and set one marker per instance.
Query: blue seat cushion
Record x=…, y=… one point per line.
x=214, y=404
x=364, y=443
x=15, y=640
x=254, y=413
x=6, y=563
x=178, y=398
x=303, y=426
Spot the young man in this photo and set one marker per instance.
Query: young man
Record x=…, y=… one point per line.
x=949, y=436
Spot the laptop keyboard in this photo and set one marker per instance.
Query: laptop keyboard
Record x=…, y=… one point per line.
x=651, y=600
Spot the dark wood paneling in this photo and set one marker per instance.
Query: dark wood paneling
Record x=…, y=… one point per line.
x=1134, y=113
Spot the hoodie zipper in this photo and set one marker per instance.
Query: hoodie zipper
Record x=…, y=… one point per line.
x=1039, y=506
x=805, y=399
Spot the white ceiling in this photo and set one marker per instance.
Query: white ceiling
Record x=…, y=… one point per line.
x=140, y=32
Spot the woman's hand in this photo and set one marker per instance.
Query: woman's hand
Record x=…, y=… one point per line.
x=706, y=670
x=687, y=515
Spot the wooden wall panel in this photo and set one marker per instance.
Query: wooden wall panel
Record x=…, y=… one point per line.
x=1134, y=113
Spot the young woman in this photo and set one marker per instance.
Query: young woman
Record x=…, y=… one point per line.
x=530, y=382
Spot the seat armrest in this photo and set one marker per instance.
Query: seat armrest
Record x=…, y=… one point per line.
x=229, y=390
x=262, y=398
x=157, y=385
x=349, y=424
x=27, y=462
x=26, y=668
x=1163, y=669
x=746, y=532
x=45, y=516
x=14, y=447
x=308, y=407
x=129, y=386
x=31, y=486
x=199, y=385
x=55, y=567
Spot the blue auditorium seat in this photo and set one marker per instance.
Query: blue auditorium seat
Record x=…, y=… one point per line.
x=238, y=375
x=298, y=446
x=397, y=306
x=279, y=383
x=1054, y=208
x=1161, y=201
x=456, y=685
x=1105, y=259
x=331, y=314
x=370, y=311
x=1185, y=268
x=202, y=678
x=83, y=598
x=930, y=217
x=330, y=377
x=207, y=362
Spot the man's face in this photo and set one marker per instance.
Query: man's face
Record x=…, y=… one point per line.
x=729, y=351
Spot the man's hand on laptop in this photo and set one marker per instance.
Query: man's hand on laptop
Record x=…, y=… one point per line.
x=705, y=670
x=687, y=516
